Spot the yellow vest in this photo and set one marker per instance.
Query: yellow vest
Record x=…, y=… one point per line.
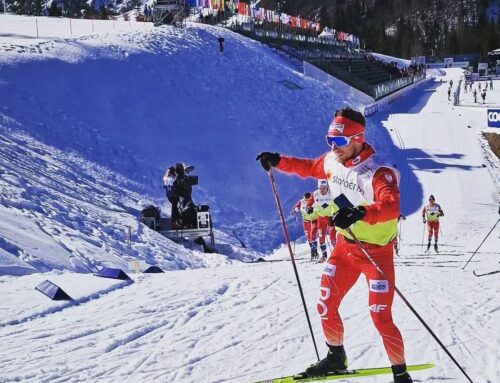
x=303, y=209
x=356, y=184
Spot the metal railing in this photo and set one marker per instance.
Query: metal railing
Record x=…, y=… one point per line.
x=294, y=42
x=377, y=91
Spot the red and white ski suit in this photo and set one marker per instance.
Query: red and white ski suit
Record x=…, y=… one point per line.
x=374, y=186
x=432, y=213
x=321, y=200
x=308, y=220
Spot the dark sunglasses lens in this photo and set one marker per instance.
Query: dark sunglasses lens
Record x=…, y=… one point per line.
x=338, y=141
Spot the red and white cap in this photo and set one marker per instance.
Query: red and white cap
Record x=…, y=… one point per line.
x=342, y=126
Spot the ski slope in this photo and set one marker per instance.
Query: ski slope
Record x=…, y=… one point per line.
x=74, y=173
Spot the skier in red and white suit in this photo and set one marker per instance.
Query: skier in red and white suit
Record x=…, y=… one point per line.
x=322, y=208
x=305, y=206
x=431, y=214
x=352, y=168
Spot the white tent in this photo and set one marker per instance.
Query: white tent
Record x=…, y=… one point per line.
x=327, y=34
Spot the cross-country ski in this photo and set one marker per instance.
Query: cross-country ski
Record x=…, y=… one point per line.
x=347, y=374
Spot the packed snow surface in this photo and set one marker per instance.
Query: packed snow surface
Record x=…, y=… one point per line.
x=88, y=126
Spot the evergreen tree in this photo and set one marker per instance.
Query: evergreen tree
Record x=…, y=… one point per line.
x=103, y=12
x=323, y=17
x=54, y=10
x=37, y=7
x=489, y=38
x=452, y=43
x=74, y=7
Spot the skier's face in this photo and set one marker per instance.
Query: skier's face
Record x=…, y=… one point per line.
x=431, y=201
x=346, y=152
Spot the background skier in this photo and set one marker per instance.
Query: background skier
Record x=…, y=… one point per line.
x=353, y=169
x=322, y=207
x=430, y=215
x=305, y=206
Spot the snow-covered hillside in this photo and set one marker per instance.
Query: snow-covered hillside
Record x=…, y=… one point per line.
x=137, y=102
x=88, y=126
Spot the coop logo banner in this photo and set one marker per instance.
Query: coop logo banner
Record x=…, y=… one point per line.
x=494, y=118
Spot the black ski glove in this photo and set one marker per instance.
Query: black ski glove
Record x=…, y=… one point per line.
x=268, y=159
x=309, y=209
x=345, y=217
x=423, y=219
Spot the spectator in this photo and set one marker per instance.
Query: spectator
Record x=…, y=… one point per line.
x=483, y=95
x=491, y=84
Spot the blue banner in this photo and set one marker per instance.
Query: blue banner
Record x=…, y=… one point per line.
x=494, y=118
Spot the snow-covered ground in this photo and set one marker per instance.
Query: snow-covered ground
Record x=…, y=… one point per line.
x=23, y=29
x=88, y=126
x=491, y=100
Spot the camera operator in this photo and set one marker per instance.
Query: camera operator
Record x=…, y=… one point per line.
x=179, y=187
x=173, y=198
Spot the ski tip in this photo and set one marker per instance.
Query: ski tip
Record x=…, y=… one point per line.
x=417, y=367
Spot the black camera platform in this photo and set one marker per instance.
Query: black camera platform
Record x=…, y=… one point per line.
x=204, y=228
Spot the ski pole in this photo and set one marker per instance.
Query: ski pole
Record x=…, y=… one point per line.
x=367, y=255
x=423, y=236
x=399, y=239
x=295, y=236
x=287, y=238
x=481, y=244
x=328, y=243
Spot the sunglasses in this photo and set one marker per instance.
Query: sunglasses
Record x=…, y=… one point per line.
x=339, y=141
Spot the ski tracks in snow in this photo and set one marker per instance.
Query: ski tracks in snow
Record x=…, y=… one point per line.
x=465, y=304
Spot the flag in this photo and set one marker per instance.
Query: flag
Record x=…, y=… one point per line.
x=242, y=8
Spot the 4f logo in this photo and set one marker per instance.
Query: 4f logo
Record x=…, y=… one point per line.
x=377, y=308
